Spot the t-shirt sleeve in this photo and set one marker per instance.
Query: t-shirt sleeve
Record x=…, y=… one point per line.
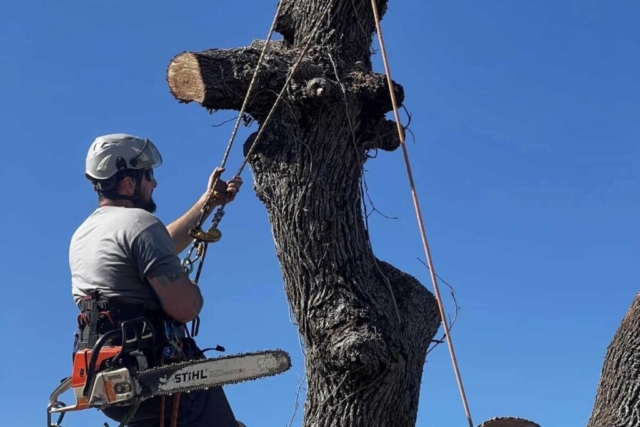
x=154, y=254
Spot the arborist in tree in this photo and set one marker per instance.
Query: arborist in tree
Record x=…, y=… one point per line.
x=124, y=264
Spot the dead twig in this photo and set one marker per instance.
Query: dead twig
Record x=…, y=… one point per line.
x=406, y=127
x=365, y=191
x=297, y=401
x=455, y=316
x=223, y=123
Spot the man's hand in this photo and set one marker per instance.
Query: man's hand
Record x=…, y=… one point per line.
x=179, y=230
x=226, y=190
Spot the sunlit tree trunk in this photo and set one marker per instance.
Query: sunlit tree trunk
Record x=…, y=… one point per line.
x=617, y=401
x=366, y=325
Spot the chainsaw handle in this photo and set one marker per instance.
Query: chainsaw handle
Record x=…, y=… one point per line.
x=95, y=352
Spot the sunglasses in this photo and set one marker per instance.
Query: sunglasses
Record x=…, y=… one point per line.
x=148, y=174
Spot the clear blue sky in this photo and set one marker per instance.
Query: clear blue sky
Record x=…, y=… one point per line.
x=526, y=160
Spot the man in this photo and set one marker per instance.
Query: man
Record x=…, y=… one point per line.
x=127, y=254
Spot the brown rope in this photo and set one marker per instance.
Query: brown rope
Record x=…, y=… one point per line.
x=419, y=215
x=253, y=81
x=176, y=400
x=174, y=414
x=162, y=407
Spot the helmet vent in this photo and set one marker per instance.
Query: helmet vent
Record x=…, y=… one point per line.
x=102, y=166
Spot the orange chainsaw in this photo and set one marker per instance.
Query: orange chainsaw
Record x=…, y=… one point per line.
x=105, y=375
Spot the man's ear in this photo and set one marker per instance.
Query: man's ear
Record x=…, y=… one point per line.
x=127, y=186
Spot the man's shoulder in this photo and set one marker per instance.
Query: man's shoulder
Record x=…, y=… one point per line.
x=139, y=216
x=132, y=221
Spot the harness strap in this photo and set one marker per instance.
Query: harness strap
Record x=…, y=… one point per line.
x=91, y=308
x=98, y=315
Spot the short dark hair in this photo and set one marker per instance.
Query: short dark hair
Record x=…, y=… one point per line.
x=108, y=188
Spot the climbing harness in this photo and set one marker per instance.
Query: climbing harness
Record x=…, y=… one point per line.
x=125, y=354
x=103, y=320
x=419, y=214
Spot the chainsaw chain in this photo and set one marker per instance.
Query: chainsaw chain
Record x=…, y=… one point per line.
x=195, y=362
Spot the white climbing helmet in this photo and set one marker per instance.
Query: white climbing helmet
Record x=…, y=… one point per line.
x=110, y=154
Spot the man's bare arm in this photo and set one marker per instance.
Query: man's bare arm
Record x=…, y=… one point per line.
x=180, y=297
x=179, y=229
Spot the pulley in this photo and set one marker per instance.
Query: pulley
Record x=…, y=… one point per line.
x=212, y=235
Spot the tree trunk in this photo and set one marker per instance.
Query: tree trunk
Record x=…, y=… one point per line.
x=617, y=401
x=365, y=325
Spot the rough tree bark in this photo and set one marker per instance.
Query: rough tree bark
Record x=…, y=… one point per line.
x=617, y=401
x=365, y=325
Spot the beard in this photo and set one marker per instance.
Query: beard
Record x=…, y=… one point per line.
x=148, y=205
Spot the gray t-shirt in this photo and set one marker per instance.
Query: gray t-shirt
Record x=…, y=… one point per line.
x=114, y=250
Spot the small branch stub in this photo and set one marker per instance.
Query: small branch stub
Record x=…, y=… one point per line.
x=320, y=88
x=383, y=136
